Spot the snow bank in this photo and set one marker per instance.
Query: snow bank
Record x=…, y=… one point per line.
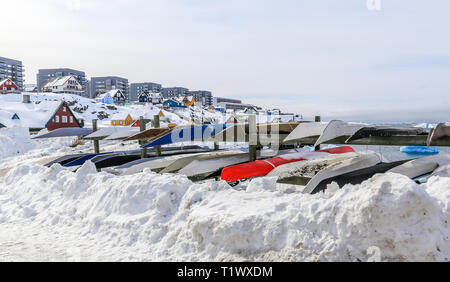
x=155, y=217
x=14, y=141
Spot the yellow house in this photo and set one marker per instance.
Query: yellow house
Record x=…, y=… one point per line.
x=123, y=122
x=188, y=103
x=161, y=114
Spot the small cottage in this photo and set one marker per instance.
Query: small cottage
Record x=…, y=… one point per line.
x=170, y=103
x=121, y=120
x=115, y=96
x=63, y=118
x=7, y=86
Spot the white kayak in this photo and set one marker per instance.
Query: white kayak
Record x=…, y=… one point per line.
x=123, y=133
x=362, y=160
x=422, y=166
x=150, y=163
x=309, y=168
x=183, y=162
x=103, y=132
x=304, y=130
x=338, y=128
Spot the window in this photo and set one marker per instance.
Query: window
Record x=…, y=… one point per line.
x=64, y=109
x=71, y=119
x=57, y=119
x=64, y=119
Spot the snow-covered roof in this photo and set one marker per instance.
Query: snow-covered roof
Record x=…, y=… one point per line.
x=5, y=80
x=31, y=115
x=59, y=81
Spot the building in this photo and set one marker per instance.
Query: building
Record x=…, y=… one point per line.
x=217, y=100
x=137, y=88
x=13, y=70
x=100, y=85
x=64, y=85
x=62, y=118
x=173, y=104
x=122, y=120
x=112, y=97
x=202, y=96
x=234, y=106
x=44, y=75
x=174, y=92
x=148, y=97
x=8, y=86
x=30, y=88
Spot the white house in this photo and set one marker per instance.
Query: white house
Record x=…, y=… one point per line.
x=64, y=85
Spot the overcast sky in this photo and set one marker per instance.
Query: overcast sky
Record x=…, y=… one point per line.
x=337, y=59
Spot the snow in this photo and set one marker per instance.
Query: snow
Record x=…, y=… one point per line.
x=53, y=213
x=8, y=141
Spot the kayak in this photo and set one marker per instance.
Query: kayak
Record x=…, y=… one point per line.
x=263, y=167
x=384, y=131
x=441, y=130
x=320, y=181
x=307, y=168
x=202, y=169
x=419, y=150
x=422, y=166
x=305, y=130
x=355, y=176
x=338, y=128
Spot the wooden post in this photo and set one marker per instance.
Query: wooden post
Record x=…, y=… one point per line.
x=216, y=146
x=142, y=142
x=96, y=142
x=253, y=137
x=156, y=124
x=317, y=119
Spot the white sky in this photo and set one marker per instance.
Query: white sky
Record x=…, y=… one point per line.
x=334, y=58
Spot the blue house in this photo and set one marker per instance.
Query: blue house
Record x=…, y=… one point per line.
x=173, y=104
x=115, y=96
x=144, y=97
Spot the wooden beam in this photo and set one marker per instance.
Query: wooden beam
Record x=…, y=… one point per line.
x=142, y=142
x=156, y=124
x=253, y=138
x=96, y=142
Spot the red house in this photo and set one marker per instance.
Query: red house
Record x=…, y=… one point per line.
x=62, y=118
x=8, y=86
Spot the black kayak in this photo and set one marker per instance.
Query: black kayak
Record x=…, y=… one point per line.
x=65, y=160
x=384, y=131
x=357, y=176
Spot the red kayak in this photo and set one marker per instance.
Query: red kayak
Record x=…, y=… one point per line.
x=263, y=167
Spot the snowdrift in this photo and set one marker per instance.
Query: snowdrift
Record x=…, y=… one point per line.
x=155, y=217
x=14, y=141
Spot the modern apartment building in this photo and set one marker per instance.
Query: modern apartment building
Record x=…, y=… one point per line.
x=146, y=87
x=234, y=106
x=174, y=92
x=217, y=100
x=100, y=85
x=202, y=96
x=44, y=75
x=12, y=69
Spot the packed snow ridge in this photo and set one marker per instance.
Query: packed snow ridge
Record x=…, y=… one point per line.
x=155, y=217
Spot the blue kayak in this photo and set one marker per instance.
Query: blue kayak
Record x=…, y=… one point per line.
x=83, y=159
x=190, y=133
x=419, y=150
